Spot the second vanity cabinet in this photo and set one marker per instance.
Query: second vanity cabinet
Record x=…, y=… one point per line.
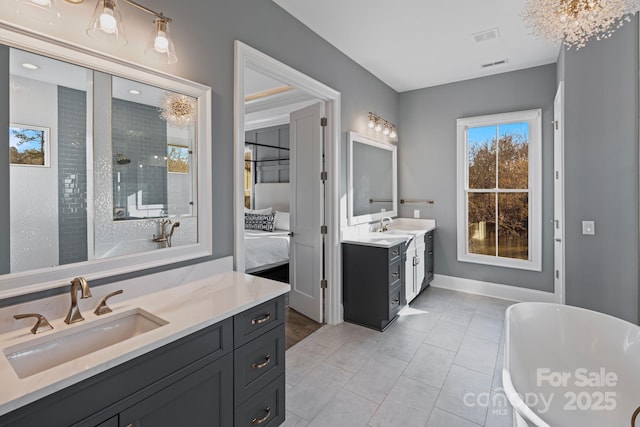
x=228, y=374
x=373, y=284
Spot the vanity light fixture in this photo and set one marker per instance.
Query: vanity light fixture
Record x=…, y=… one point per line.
x=106, y=24
x=379, y=124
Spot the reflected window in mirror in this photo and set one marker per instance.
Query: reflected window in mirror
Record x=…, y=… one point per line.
x=48, y=167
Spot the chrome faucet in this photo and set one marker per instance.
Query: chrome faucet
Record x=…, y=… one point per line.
x=384, y=223
x=74, y=315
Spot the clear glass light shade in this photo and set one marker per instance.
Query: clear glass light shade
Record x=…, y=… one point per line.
x=43, y=11
x=160, y=45
x=378, y=127
x=106, y=24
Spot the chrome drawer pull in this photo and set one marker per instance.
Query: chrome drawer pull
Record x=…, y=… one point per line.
x=395, y=302
x=395, y=275
x=267, y=360
x=396, y=252
x=431, y=253
x=259, y=321
x=258, y=421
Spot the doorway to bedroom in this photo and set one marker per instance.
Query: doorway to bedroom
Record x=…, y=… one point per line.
x=286, y=217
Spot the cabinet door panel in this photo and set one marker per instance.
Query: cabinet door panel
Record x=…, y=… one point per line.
x=203, y=398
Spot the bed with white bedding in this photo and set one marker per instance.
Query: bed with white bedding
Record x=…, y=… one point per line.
x=265, y=249
x=269, y=250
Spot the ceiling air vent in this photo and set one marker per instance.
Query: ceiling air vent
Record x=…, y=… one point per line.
x=493, y=64
x=484, y=36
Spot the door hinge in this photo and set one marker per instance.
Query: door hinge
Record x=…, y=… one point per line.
x=324, y=229
x=324, y=176
x=557, y=174
x=555, y=125
x=557, y=274
x=324, y=284
x=323, y=121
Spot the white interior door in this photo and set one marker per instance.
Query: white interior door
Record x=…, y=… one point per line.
x=305, y=266
x=558, y=194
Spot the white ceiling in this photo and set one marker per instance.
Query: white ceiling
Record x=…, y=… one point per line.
x=411, y=44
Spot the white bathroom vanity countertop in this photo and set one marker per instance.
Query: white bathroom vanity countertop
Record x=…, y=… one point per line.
x=187, y=308
x=399, y=231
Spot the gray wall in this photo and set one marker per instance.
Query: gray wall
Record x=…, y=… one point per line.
x=204, y=32
x=427, y=160
x=72, y=175
x=601, y=172
x=5, y=235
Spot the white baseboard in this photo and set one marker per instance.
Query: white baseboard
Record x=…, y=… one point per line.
x=489, y=289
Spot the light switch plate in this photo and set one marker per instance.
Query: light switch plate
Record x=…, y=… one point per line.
x=416, y=213
x=589, y=228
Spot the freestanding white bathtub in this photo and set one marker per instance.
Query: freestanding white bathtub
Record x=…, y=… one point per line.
x=567, y=366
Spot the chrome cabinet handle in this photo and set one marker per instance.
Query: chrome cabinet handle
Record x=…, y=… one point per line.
x=266, y=317
x=396, y=252
x=267, y=360
x=258, y=421
x=395, y=302
x=394, y=275
x=431, y=253
x=42, y=324
x=103, y=308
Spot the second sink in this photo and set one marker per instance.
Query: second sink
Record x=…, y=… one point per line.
x=54, y=349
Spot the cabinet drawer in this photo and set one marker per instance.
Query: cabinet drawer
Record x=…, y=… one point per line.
x=395, y=300
x=395, y=272
x=257, y=363
x=257, y=320
x=264, y=409
x=395, y=253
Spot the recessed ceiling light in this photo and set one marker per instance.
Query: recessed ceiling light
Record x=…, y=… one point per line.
x=29, y=66
x=134, y=92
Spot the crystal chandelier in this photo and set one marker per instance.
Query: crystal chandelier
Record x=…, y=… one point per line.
x=577, y=21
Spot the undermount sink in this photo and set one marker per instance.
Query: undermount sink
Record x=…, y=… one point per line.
x=54, y=349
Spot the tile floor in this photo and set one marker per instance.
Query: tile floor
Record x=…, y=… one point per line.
x=438, y=365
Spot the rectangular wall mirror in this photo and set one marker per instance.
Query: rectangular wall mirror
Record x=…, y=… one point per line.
x=108, y=166
x=372, y=179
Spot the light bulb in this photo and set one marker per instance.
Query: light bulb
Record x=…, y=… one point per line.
x=161, y=43
x=108, y=23
x=371, y=124
x=385, y=131
x=393, y=134
x=378, y=127
x=41, y=2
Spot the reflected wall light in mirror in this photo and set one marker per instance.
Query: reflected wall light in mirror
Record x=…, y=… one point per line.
x=106, y=25
x=70, y=96
x=372, y=179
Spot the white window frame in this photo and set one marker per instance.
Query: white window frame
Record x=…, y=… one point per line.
x=534, y=118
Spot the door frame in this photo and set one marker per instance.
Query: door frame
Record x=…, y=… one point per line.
x=559, y=291
x=245, y=55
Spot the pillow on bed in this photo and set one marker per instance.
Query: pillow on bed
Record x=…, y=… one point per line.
x=282, y=221
x=264, y=222
x=264, y=211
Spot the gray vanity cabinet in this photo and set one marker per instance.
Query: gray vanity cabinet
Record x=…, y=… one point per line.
x=373, y=284
x=187, y=382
